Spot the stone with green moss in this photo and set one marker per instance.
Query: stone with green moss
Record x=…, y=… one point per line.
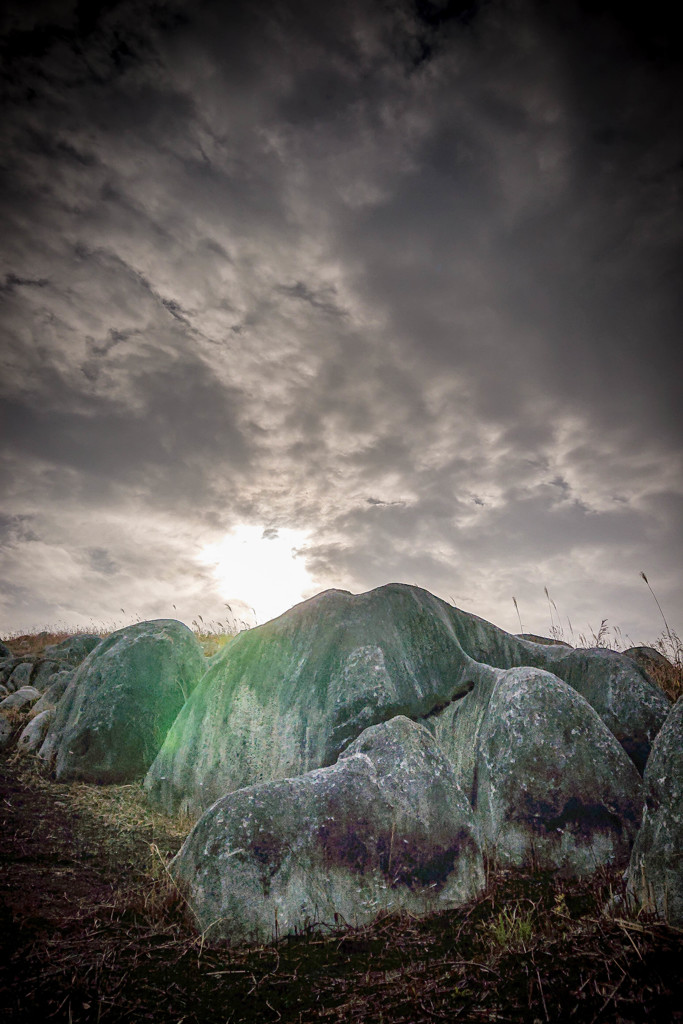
x=121, y=701
x=289, y=696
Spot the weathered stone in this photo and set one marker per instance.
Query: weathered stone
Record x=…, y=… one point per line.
x=4, y=651
x=385, y=829
x=45, y=670
x=3, y=690
x=553, y=788
x=6, y=730
x=287, y=697
x=655, y=874
x=20, y=698
x=534, y=639
x=54, y=693
x=20, y=676
x=74, y=649
x=648, y=658
x=628, y=702
x=33, y=735
x=120, y=703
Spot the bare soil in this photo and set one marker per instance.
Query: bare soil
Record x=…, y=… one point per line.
x=92, y=930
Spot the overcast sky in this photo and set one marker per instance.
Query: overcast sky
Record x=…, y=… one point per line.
x=394, y=283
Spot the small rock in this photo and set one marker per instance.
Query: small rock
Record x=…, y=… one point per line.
x=34, y=733
x=54, y=692
x=21, y=676
x=46, y=670
x=20, y=698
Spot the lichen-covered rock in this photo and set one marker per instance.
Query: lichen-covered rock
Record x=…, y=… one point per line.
x=287, y=697
x=20, y=676
x=20, y=698
x=33, y=735
x=74, y=649
x=121, y=701
x=45, y=670
x=623, y=695
x=384, y=829
x=55, y=691
x=648, y=658
x=655, y=873
x=553, y=787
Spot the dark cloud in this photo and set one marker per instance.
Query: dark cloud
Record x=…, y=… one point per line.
x=404, y=277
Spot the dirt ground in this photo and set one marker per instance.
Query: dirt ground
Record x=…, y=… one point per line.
x=91, y=930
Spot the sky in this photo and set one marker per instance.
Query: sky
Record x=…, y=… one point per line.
x=299, y=295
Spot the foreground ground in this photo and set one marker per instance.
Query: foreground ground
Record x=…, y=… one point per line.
x=92, y=930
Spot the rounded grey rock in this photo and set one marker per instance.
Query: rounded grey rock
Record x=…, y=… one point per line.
x=20, y=698
x=33, y=735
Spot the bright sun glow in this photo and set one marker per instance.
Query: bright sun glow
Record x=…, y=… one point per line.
x=261, y=569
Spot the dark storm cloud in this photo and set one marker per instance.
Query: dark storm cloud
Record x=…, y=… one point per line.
x=404, y=276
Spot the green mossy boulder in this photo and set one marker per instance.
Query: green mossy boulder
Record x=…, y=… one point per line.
x=289, y=696
x=121, y=701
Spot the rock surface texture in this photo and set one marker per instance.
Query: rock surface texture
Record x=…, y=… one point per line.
x=34, y=733
x=554, y=789
x=384, y=829
x=655, y=874
x=121, y=701
x=74, y=649
x=289, y=696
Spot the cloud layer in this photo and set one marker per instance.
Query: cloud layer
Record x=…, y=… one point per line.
x=403, y=277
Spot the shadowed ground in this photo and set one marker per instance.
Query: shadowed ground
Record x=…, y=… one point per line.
x=92, y=931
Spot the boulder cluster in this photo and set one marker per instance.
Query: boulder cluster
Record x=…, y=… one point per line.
x=367, y=753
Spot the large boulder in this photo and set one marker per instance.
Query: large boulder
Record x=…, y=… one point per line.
x=655, y=873
x=385, y=829
x=121, y=701
x=553, y=787
x=289, y=696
